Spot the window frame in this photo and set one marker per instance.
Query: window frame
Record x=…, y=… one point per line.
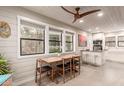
x=72, y=42
x=32, y=39
x=55, y=40
x=19, y=19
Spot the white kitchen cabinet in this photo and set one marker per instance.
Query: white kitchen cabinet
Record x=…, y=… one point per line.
x=98, y=59
x=94, y=58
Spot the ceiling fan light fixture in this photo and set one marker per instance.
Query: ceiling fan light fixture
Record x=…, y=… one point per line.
x=100, y=14
x=81, y=21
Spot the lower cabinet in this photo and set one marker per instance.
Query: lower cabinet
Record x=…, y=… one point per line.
x=94, y=58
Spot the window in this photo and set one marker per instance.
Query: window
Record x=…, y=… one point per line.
x=110, y=41
x=32, y=38
x=68, y=42
x=120, y=41
x=55, y=41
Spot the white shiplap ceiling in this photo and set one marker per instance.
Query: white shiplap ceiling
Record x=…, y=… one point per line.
x=112, y=20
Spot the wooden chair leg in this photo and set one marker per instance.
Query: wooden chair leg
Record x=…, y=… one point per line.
x=52, y=75
x=74, y=70
x=63, y=76
x=79, y=67
x=73, y=67
x=36, y=77
x=63, y=73
x=36, y=71
x=40, y=75
x=39, y=83
x=79, y=70
x=70, y=70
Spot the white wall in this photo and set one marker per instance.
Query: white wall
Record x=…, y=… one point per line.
x=23, y=68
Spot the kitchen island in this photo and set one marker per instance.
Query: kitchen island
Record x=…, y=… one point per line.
x=93, y=57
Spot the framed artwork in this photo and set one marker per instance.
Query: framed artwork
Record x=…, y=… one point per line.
x=82, y=42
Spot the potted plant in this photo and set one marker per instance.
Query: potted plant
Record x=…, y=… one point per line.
x=5, y=73
x=4, y=67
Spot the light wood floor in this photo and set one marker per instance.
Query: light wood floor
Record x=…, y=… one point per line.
x=109, y=74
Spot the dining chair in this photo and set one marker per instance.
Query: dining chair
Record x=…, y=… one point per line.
x=76, y=65
x=65, y=67
x=41, y=69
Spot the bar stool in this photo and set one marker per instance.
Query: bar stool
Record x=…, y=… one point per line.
x=40, y=69
x=76, y=64
x=66, y=66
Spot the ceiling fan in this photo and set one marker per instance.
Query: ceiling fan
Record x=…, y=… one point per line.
x=77, y=15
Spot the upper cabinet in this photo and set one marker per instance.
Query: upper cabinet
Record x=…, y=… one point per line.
x=98, y=36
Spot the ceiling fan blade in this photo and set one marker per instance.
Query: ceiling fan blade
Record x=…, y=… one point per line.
x=67, y=10
x=89, y=12
x=74, y=20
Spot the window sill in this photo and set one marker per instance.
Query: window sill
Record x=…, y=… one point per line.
x=29, y=56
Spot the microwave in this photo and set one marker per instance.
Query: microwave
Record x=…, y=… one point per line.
x=97, y=42
x=97, y=45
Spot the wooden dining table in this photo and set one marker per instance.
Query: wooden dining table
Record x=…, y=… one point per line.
x=53, y=61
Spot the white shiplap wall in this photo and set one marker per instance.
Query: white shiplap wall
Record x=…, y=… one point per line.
x=23, y=68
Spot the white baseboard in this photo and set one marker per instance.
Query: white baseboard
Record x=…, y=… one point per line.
x=108, y=60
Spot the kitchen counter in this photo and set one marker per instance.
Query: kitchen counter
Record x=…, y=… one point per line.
x=93, y=57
